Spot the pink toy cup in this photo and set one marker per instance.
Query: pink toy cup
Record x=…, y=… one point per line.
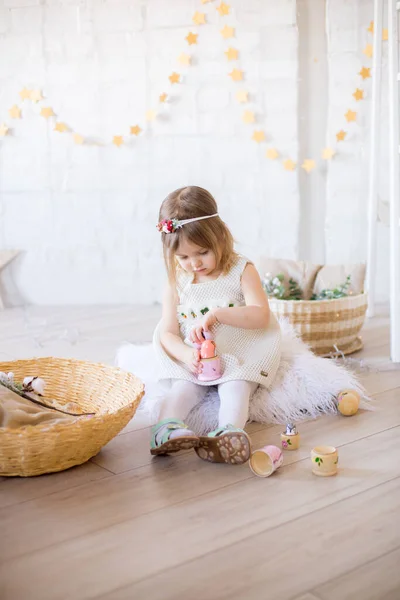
x=266, y=460
x=211, y=369
x=209, y=359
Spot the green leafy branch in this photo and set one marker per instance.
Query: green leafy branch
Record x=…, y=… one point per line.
x=338, y=292
x=276, y=287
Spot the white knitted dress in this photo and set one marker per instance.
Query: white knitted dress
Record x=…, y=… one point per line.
x=246, y=354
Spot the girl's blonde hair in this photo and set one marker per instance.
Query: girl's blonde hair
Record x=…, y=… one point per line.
x=212, y=234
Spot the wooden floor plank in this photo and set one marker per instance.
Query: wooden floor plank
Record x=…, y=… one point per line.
x=378, y=579
x=162, y=482
x=116, y=552
x=378, y=382
x=286, y=560
x=14, y=490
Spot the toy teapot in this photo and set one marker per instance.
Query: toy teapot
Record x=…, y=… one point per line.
x=209, y=359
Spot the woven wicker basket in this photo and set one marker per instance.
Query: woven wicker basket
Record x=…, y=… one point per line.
x=324, y=324
x=112, y=394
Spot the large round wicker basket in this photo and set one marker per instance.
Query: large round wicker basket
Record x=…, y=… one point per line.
x=326, y=325
x=112, y=394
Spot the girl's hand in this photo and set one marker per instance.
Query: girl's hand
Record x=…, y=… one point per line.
x=205, y=324
x=191, y=359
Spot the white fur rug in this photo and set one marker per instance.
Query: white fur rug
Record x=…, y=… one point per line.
x=305, y=386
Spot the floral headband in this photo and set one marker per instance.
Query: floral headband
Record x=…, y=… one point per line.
x=171, y=225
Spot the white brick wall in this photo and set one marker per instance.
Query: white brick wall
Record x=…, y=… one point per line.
x=347, y=178
x=84, y=217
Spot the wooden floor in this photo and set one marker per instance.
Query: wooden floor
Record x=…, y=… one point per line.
x=124, y=526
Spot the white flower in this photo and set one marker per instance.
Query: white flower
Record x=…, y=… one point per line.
x=276, y=281
x=276, y=292
x=7, y=378
x=34, y=384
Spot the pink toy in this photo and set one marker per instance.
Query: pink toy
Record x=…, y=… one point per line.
x=209, y=359
x=265, y=461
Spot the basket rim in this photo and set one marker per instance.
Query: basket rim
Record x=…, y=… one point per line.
x=316, y=302
x=26, y=429
x=71, y=360
x=65, y=359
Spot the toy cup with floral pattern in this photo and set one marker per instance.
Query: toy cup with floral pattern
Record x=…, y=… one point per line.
x=324, y=460
x=266, y=460
x=290, y=439
x=209, y=359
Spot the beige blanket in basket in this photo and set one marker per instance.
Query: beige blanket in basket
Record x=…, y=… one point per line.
x=17, y=412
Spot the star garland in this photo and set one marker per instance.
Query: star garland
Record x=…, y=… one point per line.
x=236, y=74
x=308, y=164
x=118, y=140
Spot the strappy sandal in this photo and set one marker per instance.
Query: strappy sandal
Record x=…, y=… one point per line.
x=225, y=445
x=162, y=443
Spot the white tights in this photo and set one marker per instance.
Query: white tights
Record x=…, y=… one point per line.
x=234, y=401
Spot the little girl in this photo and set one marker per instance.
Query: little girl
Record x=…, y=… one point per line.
x=212, y=289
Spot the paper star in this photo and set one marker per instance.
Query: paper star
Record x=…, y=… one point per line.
x=174, y=78
x=241, y=96
x=227, y=32
x=191, y=38
x=25, y=94
x=47, y=112
x=118, y=140
x=223, y=9
x=359, y=94
x=258, y=136
x=163, y=97
x=385, y=35
x=248, y=116
x=78, y=139
x=184, y=59
x=3, y=130
x=350, y=116
x=341, y=135
x=327, y=153
x=135, y=130
x=308, y=165
x=272, y=153
x=61, y=127
x=232, y=54
x=371, y=27
x=368, y=50
x=150, y=115
x=365, y=72
x=36, y=96
x=236, y=74
x=289, y=165
x=15, y=112
x=199, y=18
x=6, y=256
